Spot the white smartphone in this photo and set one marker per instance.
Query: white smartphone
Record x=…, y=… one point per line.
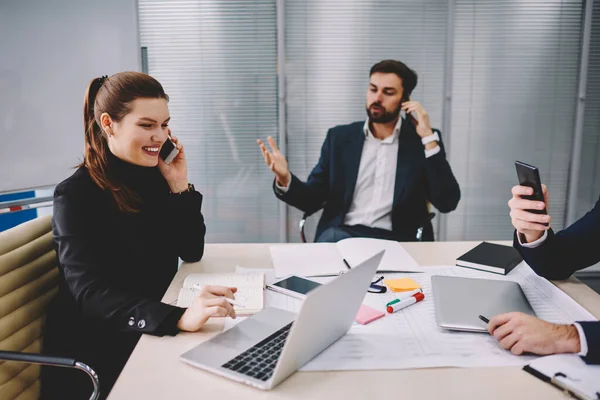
x=294, y=286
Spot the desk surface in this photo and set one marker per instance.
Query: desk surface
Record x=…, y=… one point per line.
x=155, y=372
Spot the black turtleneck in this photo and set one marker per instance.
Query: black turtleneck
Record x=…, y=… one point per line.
x=117, y=266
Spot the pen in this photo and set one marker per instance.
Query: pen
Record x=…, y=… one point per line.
x=484, y=319
x=566, y=388
x=230, y=301
x=346, y=262
x=377, y=280
x=234, y=303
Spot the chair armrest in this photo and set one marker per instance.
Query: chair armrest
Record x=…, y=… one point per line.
x=301, y=226
x=35, y=358
x=420, y=230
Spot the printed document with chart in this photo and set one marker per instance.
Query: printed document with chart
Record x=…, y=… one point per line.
x=411, y=338
x=325, y=259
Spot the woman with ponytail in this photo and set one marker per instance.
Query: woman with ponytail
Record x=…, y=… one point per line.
x=121, y=222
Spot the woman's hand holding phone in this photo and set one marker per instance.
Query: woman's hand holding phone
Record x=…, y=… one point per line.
x=175, y=173
x=529, y=225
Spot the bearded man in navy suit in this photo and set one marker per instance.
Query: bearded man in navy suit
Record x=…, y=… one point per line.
x=375, y=178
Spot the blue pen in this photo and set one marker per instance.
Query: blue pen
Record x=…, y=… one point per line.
x=373, y=288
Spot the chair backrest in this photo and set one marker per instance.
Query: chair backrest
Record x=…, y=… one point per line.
x=28, y=281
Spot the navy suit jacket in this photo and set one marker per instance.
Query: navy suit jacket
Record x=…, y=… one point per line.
x=419, y=180
x=565, y=252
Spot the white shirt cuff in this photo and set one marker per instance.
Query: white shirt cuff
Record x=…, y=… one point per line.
x=283, y=189
x=432, y=152
x=534, y=244
x=582, y=340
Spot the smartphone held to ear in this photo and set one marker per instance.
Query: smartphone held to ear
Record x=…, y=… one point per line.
x=168, y=151
x=530, y=176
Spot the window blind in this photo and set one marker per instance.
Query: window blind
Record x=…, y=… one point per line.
x=589, y=173
x=217, y=61
x=514, y=91
x=330, y=47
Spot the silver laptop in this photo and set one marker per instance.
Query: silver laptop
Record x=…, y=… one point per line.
x=460, y=301
x=271, y=345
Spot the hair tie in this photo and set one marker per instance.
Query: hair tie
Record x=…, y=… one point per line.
x=94, y=89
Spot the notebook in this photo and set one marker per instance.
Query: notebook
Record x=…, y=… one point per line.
x=249, y=289
x=326, y=259
x=491, y=257
x=568, y=372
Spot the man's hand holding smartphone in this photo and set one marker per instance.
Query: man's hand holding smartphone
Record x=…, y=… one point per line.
x=529, y=225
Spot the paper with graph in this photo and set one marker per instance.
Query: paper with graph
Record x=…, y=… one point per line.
x=411, y=338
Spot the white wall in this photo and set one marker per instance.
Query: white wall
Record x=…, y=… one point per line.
x=50, y=51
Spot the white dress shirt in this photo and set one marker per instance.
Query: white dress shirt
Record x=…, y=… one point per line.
x=582, y=338
x=373, y=195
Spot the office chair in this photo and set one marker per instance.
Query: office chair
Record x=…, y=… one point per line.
x=419, y=234
x=28, y=282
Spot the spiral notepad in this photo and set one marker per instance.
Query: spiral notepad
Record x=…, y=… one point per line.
x=249, y=289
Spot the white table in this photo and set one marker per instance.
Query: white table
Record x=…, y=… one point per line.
x=155, y=372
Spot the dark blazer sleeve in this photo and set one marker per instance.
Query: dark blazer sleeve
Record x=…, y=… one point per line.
x=190, y=230
x=311, y=195
x=97, y=295
x=565, y=252
x=591, y=330
x=444, y=192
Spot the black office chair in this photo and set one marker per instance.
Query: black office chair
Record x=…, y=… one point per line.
x=28, y=282
x=419, y=235
x=42, y=359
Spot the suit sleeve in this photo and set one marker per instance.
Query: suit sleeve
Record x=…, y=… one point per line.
x=310, y=196
x=444, y=192
x=592, y=336
x=190, y=230
x=97, y=295
x=567, y=251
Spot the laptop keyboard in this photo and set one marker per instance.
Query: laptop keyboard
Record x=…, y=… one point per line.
x=259, y=360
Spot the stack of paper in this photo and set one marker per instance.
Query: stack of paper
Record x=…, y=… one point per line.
x=326, y=259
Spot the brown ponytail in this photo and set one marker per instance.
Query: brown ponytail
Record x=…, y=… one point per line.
x=114, y=96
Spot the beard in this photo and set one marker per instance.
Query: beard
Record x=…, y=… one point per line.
x=384, y=116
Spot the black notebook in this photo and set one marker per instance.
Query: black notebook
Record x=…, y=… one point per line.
x=491, y=257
